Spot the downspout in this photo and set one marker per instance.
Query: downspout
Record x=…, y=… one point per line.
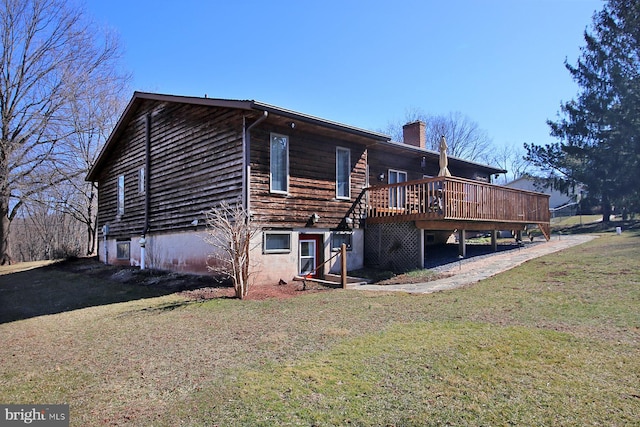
x=246, y=156
x=147, y=195
x=147, y=174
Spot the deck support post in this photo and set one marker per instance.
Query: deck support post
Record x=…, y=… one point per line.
x=343, y=265
x=462, y=243
x=494, y=240
x=519, y=236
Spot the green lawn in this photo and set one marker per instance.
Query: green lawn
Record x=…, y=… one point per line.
x=555, y=341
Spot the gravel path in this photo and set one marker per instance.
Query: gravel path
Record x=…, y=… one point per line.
x=445, y=259
x=483, y=265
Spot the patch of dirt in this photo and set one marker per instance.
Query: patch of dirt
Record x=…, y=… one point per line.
x=403, y=279
x=256, y=292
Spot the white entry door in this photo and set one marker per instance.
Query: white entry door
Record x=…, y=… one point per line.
x=308, y=257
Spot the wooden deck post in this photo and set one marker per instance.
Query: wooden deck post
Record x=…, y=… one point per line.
x=343, y=265
x=519, y=236
x=494, y=240
x=462, y=244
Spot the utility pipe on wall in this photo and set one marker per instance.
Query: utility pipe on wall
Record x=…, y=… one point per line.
x=147, y=174
x=143, y=243
x=105, y=234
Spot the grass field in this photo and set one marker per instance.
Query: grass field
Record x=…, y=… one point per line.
x=555, y=341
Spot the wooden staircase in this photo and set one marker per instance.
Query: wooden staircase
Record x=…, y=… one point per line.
x=356, y=215
x=545, y=228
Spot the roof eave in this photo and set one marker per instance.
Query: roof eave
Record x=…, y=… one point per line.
x=422, y=151
x=319, y=121
x=247, y=105
x=138, y=96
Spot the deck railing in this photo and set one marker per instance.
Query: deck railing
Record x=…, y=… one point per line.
x=452, y=198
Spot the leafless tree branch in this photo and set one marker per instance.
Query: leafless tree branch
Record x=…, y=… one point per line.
x=231, y=232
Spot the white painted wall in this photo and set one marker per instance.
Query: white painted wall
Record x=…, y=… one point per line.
x=271, y=268
x=188, y=252
x=181, y=252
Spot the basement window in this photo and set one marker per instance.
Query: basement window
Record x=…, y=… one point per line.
x=276, y=242
x=340, y=237
x=123, y=249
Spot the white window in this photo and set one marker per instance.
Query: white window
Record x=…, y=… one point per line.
x=276, y=242
x=141, y=181
x=397, y=195
x=343, y=173
x=120, y=211
x=279, y=166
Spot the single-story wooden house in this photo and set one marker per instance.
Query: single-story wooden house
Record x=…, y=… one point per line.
x=310, y=183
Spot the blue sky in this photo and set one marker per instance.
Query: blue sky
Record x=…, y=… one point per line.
x=363, y=63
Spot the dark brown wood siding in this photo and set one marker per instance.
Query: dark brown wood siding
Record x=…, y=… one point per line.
x=126, y=159
x=196, y=162
x=312, y=177
x=380, y=161
x=383, y=158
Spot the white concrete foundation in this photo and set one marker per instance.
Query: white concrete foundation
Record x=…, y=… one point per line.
x=188, y=252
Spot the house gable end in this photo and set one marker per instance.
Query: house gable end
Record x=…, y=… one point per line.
x=195, y=161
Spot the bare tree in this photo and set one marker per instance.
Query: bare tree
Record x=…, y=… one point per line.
x=512, y=159
x=465, y=139
x=42, y=233
x=50, y=57
x=230, y=231
x=93, y=116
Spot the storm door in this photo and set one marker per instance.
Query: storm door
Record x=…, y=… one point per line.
x=310, y=255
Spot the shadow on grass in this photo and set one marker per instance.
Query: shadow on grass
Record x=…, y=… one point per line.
x=80, y=283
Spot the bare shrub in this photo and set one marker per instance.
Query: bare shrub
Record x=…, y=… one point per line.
x=230, y=231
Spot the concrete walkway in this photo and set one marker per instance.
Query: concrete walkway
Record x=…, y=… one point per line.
x=474, y=271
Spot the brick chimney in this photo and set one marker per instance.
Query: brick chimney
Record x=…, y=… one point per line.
x=414, y=134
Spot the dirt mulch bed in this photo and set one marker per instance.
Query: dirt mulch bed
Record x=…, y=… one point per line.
x=191, y=286
x=256, y=292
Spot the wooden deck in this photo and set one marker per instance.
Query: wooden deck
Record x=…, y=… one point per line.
x=449, y=203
